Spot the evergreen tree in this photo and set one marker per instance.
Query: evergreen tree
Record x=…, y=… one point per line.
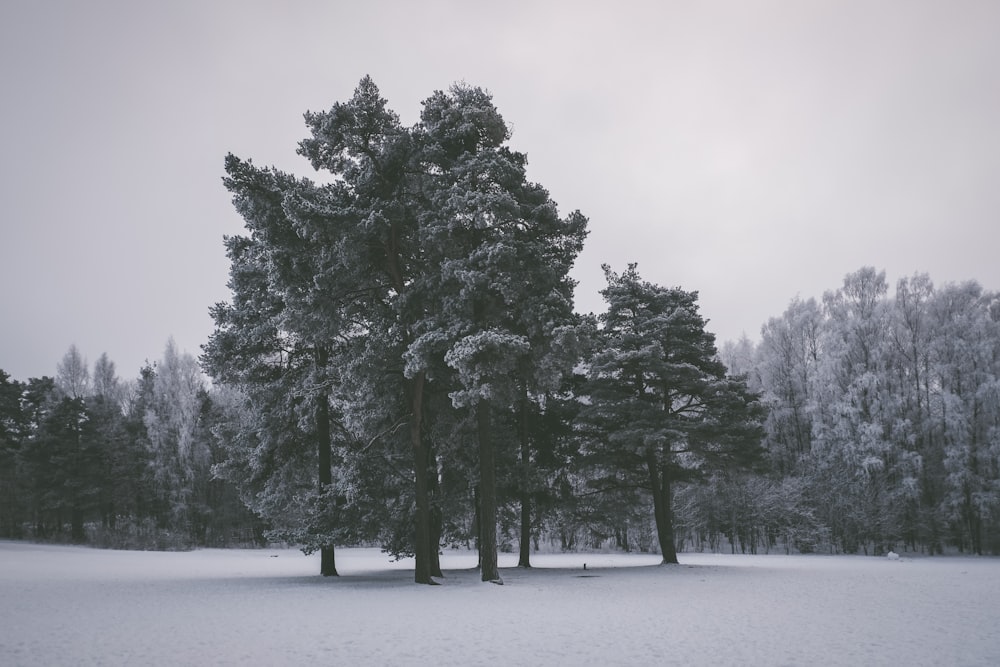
x=13, y=427
x=660, y=405
x=503, y=286
x=411, y=265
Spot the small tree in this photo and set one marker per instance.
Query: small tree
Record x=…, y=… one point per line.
x=660, y=406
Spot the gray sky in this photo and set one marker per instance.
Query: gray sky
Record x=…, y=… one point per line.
x=749, y=150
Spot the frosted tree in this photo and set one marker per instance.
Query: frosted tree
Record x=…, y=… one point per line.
x=788, y=358
x=285, y=322
x=106, y=383
x=912, y=335
x=854, y=449
x=739, y=357
x=380, y=274
x=180, y=458
x=72, y=376
x=503, y=285
x=660, y=404
x=754, y=509
x=373, y=237
x=893, y=404
x=966, y=349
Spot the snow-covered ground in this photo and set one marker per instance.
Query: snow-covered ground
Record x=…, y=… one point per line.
x=77, y=606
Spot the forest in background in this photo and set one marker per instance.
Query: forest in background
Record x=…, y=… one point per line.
x=89, y=457
x=883, y=422
x=881, y=431
x=401, y=365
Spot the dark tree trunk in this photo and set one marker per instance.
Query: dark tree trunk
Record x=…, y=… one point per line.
x=487, y=497
x=476, y=523
x=524, y=555
x=422, y=537
x=434, y=555
x=659, y=478
x=327, y=562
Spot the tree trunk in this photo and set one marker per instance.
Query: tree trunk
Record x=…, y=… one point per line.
x=659, y=478
x=487, y=497
x=327, y=562
x=426, y=562
x=477, y=523
x=524, y=555
x=436, y=518
x=76, y=521
x=434, y=555
x=422, y=541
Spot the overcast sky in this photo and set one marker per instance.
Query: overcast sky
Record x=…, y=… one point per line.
x=753, y=151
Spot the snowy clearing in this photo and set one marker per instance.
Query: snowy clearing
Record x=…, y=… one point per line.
x=78, y=606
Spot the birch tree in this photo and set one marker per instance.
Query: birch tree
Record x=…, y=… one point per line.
x=180, y=458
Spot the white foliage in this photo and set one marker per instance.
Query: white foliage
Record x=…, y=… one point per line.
x=171, y=421
x=483, y=361
x=72, y=376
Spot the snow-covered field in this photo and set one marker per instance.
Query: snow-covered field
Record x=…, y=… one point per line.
x=77, y=606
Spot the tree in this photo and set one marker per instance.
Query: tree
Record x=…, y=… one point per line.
x=787, y=363
x=402, y=267
x=503, y=286
x=179, y=456
x=59, y=461
x=911, y=337
x=105, y=383
x=659, y=402
x=13, y=427
x=860, y=454
x=966, y=355
x=72, y=375
x=280, y=330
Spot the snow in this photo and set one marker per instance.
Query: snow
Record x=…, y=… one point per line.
x=77, y=606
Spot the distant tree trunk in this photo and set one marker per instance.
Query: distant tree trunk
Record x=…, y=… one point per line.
x=327, y=562
x=659, y=478
x=422, y=538
x=476, y=523
x=436, y=518
x=76, y=523
x=434, y=555
x=524, y=556
x=487, y=496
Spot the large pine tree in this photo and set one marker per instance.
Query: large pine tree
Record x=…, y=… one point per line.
x=429, y=258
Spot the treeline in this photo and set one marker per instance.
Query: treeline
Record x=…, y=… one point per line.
x=86, y=457
x=883, y=427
